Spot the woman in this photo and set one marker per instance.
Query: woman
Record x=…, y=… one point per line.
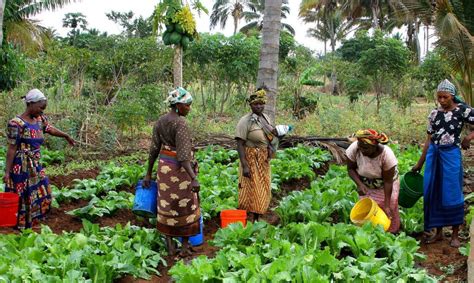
x=254, y=145
x=373, y=167
x=24, y=174
x=443, y=180
x=178, y=200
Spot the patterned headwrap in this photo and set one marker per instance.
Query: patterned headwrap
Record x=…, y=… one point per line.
x=258, y=96
x=179, y=95
x=34, y=95
x=371, y=137
x=451, y=88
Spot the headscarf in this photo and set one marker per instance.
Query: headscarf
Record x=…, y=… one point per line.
x=179, y=95
x=371, y=137
x=450, y=88
x=258, y=96
x=34, y=95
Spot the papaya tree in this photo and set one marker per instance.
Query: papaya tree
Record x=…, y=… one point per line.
x=180, y=29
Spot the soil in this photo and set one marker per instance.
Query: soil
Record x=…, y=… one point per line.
x=62, y=181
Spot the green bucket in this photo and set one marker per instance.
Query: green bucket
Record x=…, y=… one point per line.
x=411, y=189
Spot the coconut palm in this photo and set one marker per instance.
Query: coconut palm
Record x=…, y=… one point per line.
x=222, y=9
x=2, y=9
x=21, y=30
x=267, y=75
x=453, y=22
x=254, y=16
x=324, y=10
x=378, y=11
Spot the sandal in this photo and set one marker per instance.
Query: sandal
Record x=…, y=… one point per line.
x=433, y=239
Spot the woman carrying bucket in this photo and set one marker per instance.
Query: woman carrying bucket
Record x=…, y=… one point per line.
x=24, y=174
x=178, y=201
x=443, y=178
x=373, y=167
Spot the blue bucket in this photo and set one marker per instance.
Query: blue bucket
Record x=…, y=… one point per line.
x=197, y=239
x=145, y=200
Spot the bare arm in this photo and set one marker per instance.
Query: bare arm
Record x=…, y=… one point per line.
x=58, y=133
x=243, y=158
x=155, y=148
x=422, y=159
x=9, y=162
x=352, y=170
x=466, y=142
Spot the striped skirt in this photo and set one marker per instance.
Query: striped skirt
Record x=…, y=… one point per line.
x=255, y=192
x=378, y=195
x=178, y=205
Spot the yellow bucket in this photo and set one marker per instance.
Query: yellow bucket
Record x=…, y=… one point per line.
x=367, y=209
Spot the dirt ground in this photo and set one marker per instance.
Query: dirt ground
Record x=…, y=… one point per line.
x=442, y=260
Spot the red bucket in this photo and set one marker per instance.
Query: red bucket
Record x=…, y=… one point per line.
x=8, y=209
x=232, y=216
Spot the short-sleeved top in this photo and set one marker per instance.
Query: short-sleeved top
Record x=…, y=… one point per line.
x=445, y=126
x=371, y=168
x=250, y=130
x=29, y=134
x=173, y=132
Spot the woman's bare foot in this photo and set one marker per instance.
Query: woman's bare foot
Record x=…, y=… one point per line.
x=455, y=243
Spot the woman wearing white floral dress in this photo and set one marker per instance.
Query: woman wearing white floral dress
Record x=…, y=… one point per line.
x=443, y=179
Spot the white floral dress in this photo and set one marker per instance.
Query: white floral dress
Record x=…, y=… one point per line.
x=445, y=126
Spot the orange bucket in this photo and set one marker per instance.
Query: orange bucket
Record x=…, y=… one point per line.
x=232, y=216
x=8, y=209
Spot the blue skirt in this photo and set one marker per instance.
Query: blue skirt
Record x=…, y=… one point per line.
x=443, y=180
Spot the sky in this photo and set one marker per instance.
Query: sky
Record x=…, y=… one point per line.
x=95, y=11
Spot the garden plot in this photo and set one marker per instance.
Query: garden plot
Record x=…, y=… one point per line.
x=220, y=186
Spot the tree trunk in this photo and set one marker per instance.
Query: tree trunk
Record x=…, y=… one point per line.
x=427, y=37
x=178, y=66
x=236, y=24
x=2, y=8
x=332, y=34
x=417, y=42
x=268, y=66
x=375, y=14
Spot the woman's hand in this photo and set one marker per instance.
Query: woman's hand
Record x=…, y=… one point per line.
x=146, y=181
x=246, y=171
x=270, y=153
x=195, y=186
x=417, y=168
x=362, y=189
x=70, y=140
x=466, y=143
x=388, y=211
x=5, y=177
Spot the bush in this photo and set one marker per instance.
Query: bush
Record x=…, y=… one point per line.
x=12, y=67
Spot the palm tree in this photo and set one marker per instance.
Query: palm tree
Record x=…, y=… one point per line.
x=21, y=30
x=2, y=9
x=324, y=10
x=377, y=10
x=255, y=16
x=222, y=9
x=453, y=23
x=267, y=76
x=454, y=29
x=332, y=28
